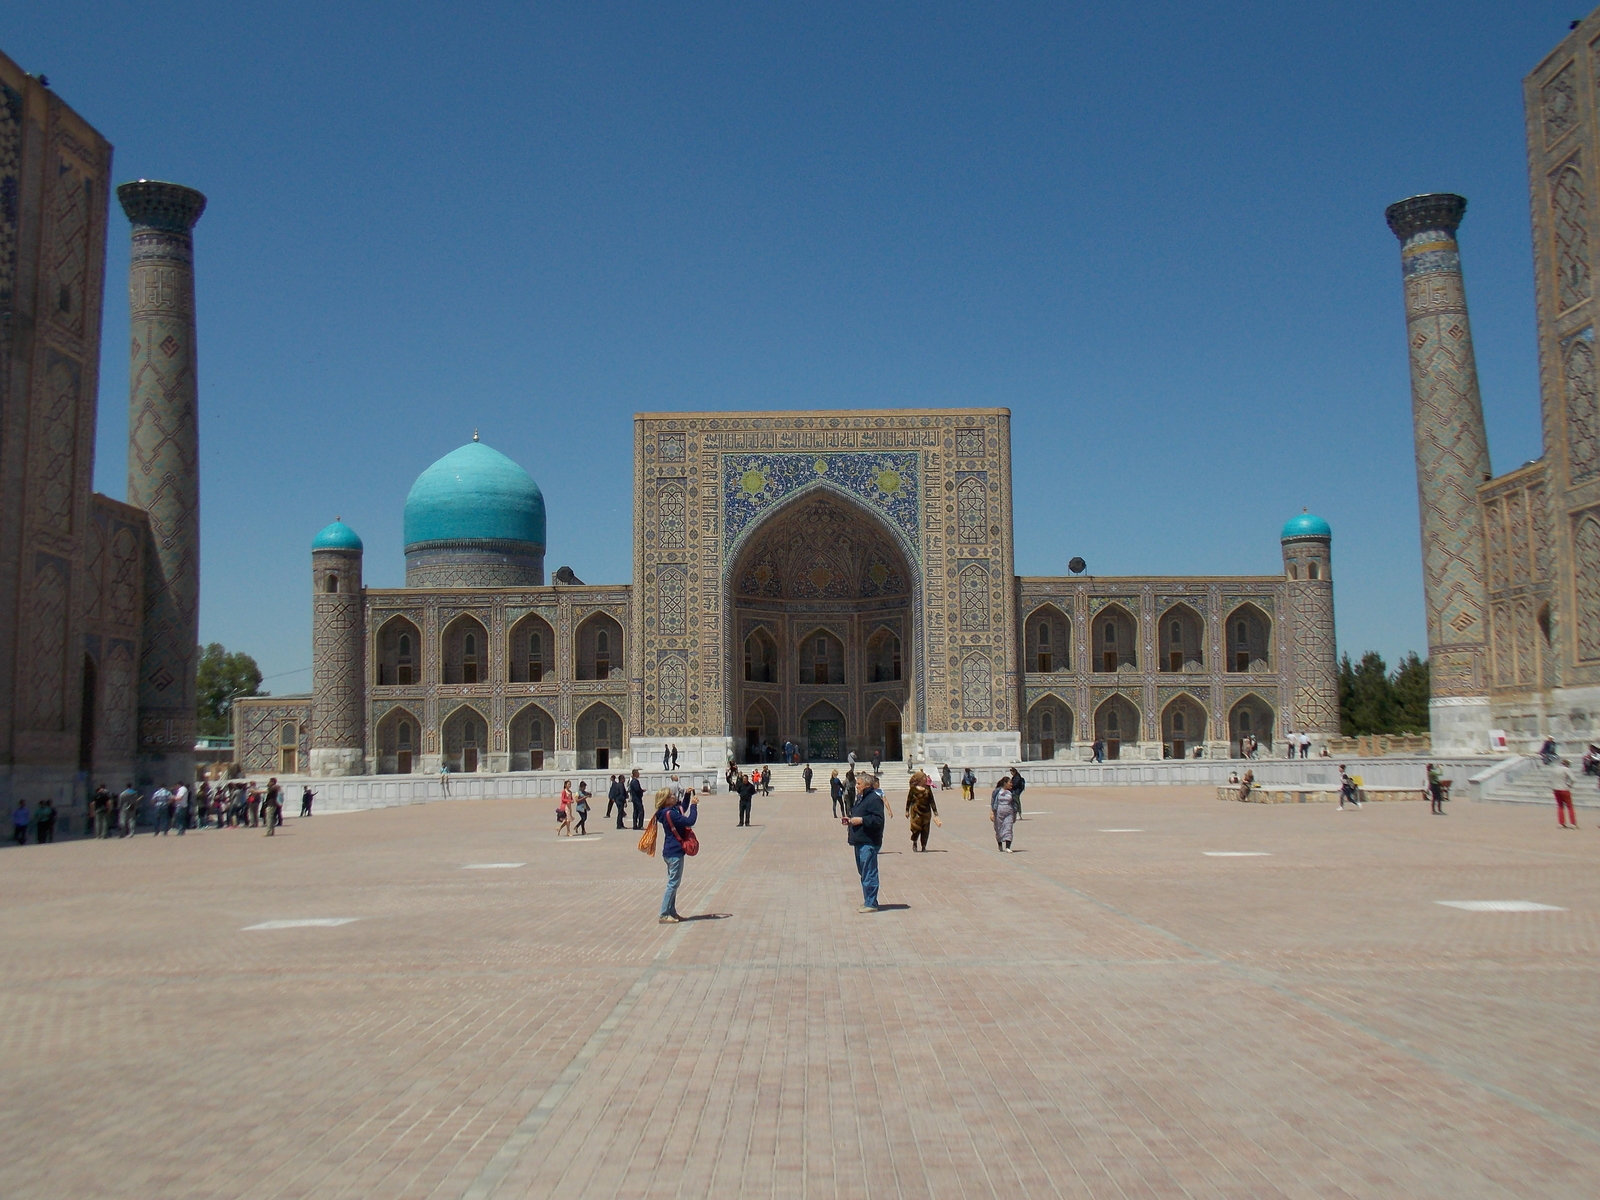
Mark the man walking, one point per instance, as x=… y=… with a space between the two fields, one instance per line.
x=180 y=809
x=163 y=802
x=1436 y=789
x=130 y=809
x=806 y=775
x=306 y=797
x=666 y=758
x=20 y=816
x=1562 y=778
x=636 y=794
x=746 y=790
x=272 y=806
x=617 y=798
x=865 y=824
x=674 y=756
x=1347 y=789
x=44 y=821
x=100 y=810
x=1017 y=784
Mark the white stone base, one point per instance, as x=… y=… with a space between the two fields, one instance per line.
x=1001 y=748
x=1460 y=724
x=336 y=761
x=694 y=753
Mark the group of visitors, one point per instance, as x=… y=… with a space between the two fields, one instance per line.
x=626 y=790
x=1296 y=743
x=177 y=809
x=1562 y=780
x=669 y=757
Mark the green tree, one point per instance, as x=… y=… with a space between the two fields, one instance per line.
x=221 y=679
x=1413 y=685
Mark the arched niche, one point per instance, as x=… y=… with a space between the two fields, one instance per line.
x=599 y=648
x=884 y=731
x=1251 y=716
x=399 y=742
x=531 y=736
x=1248 y=635
x=821 y=655
x=1049 y=728
x=1116 y=723
x=466 y=739
x=824 y=733
x=397 y=653
x=884 y=656
x=1114 y=640
x=1180 y=640
x=1183 y=727
x=1047 y=640
x=760 y=730
x=464 y=651
x=601 y=738
x=760 y=657
x=531 y=650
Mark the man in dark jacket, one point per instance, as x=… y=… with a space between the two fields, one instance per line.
x=865 y=823
x=636 y=794
x=746 y=790
x=806 y=775
x=1017 y=784
x=617 y=798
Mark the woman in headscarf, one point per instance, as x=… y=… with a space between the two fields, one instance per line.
x=1003 y=805
x=921 y=809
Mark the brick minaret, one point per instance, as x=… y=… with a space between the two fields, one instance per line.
x=1452 y=460
x=338 y=636
x=164 y=467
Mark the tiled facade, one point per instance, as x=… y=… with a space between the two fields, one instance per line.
x=842 y=579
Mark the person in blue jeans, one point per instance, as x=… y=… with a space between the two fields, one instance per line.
x=675 y=813
x=865 y=823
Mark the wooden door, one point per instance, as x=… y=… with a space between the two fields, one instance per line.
x=469 y=759
x=1113 y=747
x=602 y=758
x=1177 y=747
x=403 y=762
x=1111 y=660
x=891 y=740
x=1047 y=747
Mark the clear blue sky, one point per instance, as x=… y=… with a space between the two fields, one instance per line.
x=1154 y=231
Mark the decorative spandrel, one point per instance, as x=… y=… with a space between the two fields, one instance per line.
x=753 y=484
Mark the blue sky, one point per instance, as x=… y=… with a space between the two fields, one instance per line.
x=1154 y=231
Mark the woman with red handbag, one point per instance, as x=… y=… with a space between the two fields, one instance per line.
x=676 y=818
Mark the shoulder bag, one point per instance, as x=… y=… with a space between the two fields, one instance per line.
x=687 y=839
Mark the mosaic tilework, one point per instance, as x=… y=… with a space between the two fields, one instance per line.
x=753 y=485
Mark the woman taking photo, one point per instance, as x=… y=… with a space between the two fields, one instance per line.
x=676 y=818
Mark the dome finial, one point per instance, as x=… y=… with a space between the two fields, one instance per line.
x=474 y=435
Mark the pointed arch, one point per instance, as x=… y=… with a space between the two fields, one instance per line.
x=1183 y=727
x=825 y=733
x=884 y=728
x=760 y=656
x=532 y=735
x=1050 y=727
x=1180 y=639
x=1117 y=722
x=1247 y=639
x=820 y=652
x=599 y=646
x=884 y=663
x=1114 y=640
x=397 y=653
x=465 y=739
x=464 y=651
x=760 y=730
x=399 y=742
x=1251 y=716
x=1047 y=640
x=531 y=650
x=601 y=737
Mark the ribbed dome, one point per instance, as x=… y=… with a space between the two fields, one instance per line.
x=1306 y=526
x=337 y=536
x=474 y=494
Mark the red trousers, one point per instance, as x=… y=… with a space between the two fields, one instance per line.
x=1564 y=807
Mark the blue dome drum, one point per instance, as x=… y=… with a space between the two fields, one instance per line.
x=337 y=536
x=474 y=519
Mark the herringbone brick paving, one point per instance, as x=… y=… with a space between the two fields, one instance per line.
x=1100 y=1014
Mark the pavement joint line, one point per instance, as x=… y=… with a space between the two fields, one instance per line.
x=1267 y=980
x=302 y=923
x=499 y=1166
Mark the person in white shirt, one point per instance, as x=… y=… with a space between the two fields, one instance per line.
x=180 y=809
x=1305 y=744
x=1561 y=778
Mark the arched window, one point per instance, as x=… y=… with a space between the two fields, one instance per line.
x=1294 y=571
x=1244 y=720
x=535 y=657
x=403 y=735
x=288 y=748
x=602 y=655
x=1241 y=633
x=1044 y=633
x=1313 y=569
x=406 y=671
x=469 y=659
x=1047 y=723
x=1111 y=633
x=332 y=585
x=1113 y=722
x=1177 y=721
x=1175 y=632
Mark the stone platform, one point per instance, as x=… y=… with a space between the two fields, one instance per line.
x=1158 y=995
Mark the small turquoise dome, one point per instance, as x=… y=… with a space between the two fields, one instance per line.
x=1306 y=526
x=474 y=494
x=337 y=536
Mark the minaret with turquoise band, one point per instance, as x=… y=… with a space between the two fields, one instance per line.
x=1452 y=450
x=338 y=658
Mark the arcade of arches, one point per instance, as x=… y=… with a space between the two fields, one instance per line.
x=822 y=619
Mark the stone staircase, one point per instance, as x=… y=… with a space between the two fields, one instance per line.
x=1530 y=782
x=892 y=777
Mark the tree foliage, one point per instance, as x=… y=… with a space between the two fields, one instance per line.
x=221 y=679
x=1372 y=700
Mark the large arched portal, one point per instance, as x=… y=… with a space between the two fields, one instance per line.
x=821 y=602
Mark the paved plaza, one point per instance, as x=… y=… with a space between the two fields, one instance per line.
x=1160 y=994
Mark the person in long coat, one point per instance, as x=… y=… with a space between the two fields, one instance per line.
x=921 y=809
x=1003 y=806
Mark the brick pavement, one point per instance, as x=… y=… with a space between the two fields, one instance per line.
x=1100 y=1014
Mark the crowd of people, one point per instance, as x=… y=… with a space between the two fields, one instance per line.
x=235 y=804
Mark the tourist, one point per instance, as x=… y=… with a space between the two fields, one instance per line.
x=921 y=810
x=877 y=761
x=272 y=806
x=806 y=775
x=1591 y=760
x=1017 y=784
x=851 y=760
x=766 y=781
x=44 y=821
x=969 y=781
x=674 y=756
x=666 y=758
x=676 y=816
x=20 y=816
x=865 y=824
x=1003 y=809
x=306 y=797
x=1347 y=789
x=1099 y=750
x=1245 y=784
x=731 y=774
x=100 y=812
x=581 y=807
x=836 y=793
x=1292 y=742
x=617 y=797
x=944 y=777
x=130 y=809
x=1562 y=780
x=1305 y=744
x=1547 y=752
x=564 y=810
x=1233 y=777
x=636 y=794
x=444 y=781
x=850 y=784
x=180 y=808
x=163 y=805
x=746 y=791
x=1436 y=789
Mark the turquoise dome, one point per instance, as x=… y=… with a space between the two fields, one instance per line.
x=474 y=494
x=1306 y=526
x=337 y=536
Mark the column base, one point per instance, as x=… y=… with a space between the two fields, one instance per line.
x=1460 y=724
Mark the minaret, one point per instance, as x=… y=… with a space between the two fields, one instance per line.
x=164 y=467
x=1307 y=543
x=1452 y=460
x=338 y=640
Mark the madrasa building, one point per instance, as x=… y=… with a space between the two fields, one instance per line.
x=839 y=580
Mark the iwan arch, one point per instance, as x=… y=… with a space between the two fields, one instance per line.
x=842 y=580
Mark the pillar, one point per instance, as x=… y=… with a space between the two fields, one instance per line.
x=164 y=467
x=1452 y=460
x=338 y=653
